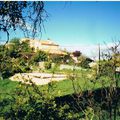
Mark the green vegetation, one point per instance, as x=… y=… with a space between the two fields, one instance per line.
x=7 y=88
x=20 y=101
x=20 y=14
x=84 y=61
x=40 y=56
x=88 y=93
x=18 y=57
x=65 y=87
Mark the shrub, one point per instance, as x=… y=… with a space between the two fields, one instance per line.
x=48 y=65
x=40 y=56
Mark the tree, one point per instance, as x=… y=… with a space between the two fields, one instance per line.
x=21 y=15
x=15 y=41
x=67 y=59
x=77 y=53
x=40 y=56
x=25 y=47
x=84 y=61
x=13 y=48
x=14 y=57
x=56 y=58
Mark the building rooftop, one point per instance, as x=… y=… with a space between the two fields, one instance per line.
x=48 y=42
x=45 y=45
x=42 y=42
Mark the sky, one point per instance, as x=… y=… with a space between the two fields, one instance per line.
x=81 y=25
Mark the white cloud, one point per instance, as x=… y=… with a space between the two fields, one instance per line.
x=88 y=50
x=91 y=51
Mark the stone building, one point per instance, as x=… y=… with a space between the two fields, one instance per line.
x=44 y=45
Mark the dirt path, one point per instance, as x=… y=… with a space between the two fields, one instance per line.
x=38 y=78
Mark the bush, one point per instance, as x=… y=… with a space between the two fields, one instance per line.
x=84 y=61
x=48 y=65
x=40 y=56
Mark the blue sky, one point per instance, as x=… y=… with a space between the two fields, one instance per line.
x=78 y=24
x=83 y=22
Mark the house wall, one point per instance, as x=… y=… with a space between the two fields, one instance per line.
x=49 y=47
x=35 y=44
x=45 y=45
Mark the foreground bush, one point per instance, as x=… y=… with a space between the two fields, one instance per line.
x=31 y=102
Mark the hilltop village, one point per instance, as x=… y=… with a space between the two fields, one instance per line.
x=41 y=56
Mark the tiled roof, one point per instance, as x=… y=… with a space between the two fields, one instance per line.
x=48 y=42
x=55 y=51
x=43 y=42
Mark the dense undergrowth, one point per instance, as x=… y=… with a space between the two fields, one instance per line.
x=49 y=102
x=86 y=94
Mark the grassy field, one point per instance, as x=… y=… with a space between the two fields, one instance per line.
x=79 y=83
x=60 y=88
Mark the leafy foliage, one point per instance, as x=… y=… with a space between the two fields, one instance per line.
x=19 y=14
x=77 y=53
x=94 y=98
x=14 y=57
x=40 y=56
x=84 y=61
